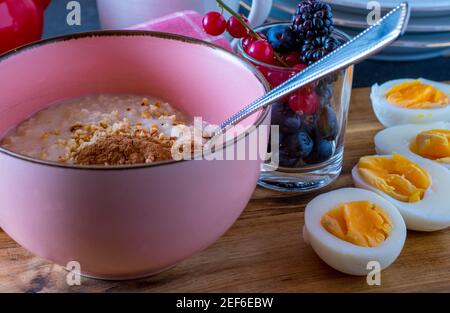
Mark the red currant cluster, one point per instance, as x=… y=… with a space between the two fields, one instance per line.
x=215 y=24
x=256 y=45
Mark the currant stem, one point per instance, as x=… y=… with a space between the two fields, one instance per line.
x=225 y=7
x=279 y=59
x=239 y=17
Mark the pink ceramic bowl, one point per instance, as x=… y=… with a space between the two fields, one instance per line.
x=124 y=222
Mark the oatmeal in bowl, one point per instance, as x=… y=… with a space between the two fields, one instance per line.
x=143 y=215
x=103 y=130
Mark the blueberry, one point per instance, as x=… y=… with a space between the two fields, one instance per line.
x=291 y=124
x=298 y=145
x=325 y=91
x=285 y=160
x=309 y=123
x=322 y=152
x=284 y=117
x=282 y=38
x=326 y=102
x=327 y=125
x=331 y=78
x=263 y=32
x=278 y=112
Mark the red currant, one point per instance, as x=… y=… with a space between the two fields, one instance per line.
x=292 y=58
x=305 y=100
x=299 y=67
x=235 y=28
x=276 y=78
x=261 y=50
x=276 y=62
x=264 y=70
x=247 y=41
x=214 y=23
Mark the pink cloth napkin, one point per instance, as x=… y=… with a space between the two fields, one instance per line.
x=186 y=23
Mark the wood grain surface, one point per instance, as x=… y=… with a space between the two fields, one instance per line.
x=263 y=251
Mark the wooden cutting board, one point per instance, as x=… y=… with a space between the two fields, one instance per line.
x=263 y=251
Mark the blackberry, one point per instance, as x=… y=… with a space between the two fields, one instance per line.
x=312 y=19
x=282 y=38
x=315 y=49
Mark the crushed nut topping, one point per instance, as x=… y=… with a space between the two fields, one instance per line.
x=75 y=127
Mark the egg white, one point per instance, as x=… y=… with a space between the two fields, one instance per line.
x=399 y=138
x=429 y=214
x=345 y=256
x=390 y=115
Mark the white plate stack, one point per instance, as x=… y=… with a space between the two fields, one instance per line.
x=427 y=36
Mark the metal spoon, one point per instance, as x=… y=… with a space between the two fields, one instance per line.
x=369 y=42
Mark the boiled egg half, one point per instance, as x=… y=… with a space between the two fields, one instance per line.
x=417 y=188
x=350 y=227
x=430 y=141
x=411 y=101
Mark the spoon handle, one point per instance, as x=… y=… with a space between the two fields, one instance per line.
x=367 y=43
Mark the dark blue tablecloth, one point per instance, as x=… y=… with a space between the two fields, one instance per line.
x=366 y=73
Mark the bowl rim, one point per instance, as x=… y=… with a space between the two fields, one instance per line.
x=145 y=33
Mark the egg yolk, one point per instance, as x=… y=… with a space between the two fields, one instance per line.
x=433 y=144
x=415 y=95
x=360 y=222
x=396 y=176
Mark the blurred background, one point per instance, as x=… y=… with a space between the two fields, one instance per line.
x=423 y=52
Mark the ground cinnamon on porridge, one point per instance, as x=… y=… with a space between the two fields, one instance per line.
x=122 y=150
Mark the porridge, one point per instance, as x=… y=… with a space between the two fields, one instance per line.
x=102 y=130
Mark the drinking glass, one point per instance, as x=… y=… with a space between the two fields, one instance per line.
x=322 y=126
